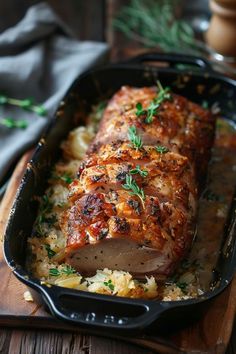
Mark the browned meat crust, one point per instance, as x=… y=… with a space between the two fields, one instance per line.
x=159 y=227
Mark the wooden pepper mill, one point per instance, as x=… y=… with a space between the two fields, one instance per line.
x=221 y=35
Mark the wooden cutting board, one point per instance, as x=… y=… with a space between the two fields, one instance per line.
x=209 y=335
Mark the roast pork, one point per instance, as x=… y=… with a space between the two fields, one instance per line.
x=134 y=204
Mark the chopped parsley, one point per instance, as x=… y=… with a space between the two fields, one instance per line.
x=162 y=149
x=134 y=138
x=68 y=270
x=109 y=284
x=137 y=170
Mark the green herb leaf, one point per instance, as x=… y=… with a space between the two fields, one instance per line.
x=40 y=110
x=162 y=149
x=54 y=272
x=140 y=109
x=130 y=184
x=50 y=252
x=153 y=23
x=163 y=95
x=68 y=270
x=26 y=104
x=134 y=138
x=11 y=123
x=137 y=169
x=109 y=284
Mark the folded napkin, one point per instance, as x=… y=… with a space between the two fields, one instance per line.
x=39 y=58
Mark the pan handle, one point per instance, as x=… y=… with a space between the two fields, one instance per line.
x=93 y=310
x=172 y=59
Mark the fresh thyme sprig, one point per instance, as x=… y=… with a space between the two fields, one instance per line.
x=162 y=149
x=134 y=138
x=27 y=104
x=163 y=95
x=153 y=23
x=130 y=184
x=12 y=123
x=137 y=170
x=68 y=270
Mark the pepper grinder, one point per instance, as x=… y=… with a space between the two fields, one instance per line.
x=221 y=34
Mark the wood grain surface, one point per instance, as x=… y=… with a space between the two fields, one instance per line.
x=209 y=335
x=26 y=328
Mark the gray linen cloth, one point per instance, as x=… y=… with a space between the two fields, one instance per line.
x=39 y=58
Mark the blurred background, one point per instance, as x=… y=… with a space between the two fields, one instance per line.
x=127 y=25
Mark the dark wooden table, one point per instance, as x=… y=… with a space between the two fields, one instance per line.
x=90 y=19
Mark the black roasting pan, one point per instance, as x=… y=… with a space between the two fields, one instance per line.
x=189 y=76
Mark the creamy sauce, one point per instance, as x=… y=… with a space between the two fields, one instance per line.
x=214 y=206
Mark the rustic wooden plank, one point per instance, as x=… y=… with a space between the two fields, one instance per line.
x=100 y=345
x=5 y=338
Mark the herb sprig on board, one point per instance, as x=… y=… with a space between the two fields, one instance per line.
x=27 y=104
x=135 y=138
x=152 y=109
x=12 y=123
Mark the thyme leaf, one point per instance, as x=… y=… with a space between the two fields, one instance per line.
x=68 y=270
x=137 y=170
x=130 y=184
x=162 y=149
x=140 y=111
x=151 y=111
x=12 y=123
x=27 y=104
x=134 y=138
